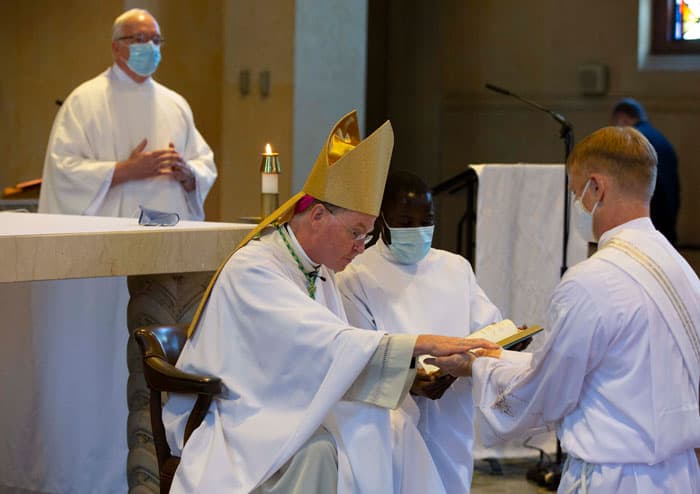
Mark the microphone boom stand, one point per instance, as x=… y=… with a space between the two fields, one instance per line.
x=566 y=132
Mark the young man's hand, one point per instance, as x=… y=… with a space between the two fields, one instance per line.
x=431 y=386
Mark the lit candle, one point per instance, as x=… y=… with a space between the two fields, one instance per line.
x=269 y=170
x=269 y=183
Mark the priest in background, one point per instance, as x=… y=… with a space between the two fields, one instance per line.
x=122 y=140
x=305 y=406
x=119 y=141
x=619 y=370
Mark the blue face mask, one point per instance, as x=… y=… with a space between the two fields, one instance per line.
x=143 y=58
x=410 y=245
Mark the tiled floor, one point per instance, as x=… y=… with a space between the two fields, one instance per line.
x=512 y=481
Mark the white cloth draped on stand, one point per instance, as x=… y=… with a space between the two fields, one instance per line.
x=518 y=255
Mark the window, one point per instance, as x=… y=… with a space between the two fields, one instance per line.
x=675 y=27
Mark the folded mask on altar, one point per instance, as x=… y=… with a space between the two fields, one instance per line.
x=153 y=217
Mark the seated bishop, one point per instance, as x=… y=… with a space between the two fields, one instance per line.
x=307 y=396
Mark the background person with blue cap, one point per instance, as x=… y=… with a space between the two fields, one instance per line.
x=667 y=195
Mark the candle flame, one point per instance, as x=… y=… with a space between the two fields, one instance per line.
x=268 y=148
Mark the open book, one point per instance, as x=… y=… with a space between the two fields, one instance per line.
x=505 y=333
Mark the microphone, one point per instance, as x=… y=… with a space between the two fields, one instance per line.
x=498 y=89
x=566 y=125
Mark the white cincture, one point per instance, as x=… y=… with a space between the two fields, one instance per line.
x=584 y=478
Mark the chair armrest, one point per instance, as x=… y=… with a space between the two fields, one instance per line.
x=162 y=376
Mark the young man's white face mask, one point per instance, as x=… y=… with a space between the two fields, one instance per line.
x=410 y=245
x=582 y=219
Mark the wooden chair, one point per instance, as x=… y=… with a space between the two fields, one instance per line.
x=160 y=347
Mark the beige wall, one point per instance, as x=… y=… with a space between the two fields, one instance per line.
x=48 y=49
x=257 y=36
x=193 y=66
x=532 y=48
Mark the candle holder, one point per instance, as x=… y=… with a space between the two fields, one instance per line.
x=269 y=171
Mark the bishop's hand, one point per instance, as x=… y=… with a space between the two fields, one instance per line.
x=439 y=346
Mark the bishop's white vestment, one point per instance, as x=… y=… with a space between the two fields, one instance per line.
x=78 y=423
x=618 y=371
x=437 y=295
x=289 y=365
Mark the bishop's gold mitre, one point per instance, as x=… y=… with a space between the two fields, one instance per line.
x=349 y=173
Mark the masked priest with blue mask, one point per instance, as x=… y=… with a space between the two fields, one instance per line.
x=122 y=140
x=403 y=285
x=119 y=141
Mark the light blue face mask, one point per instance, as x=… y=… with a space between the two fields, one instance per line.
x=410 y=245
x=144 y=58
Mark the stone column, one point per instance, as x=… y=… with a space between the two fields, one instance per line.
x=154 y=299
